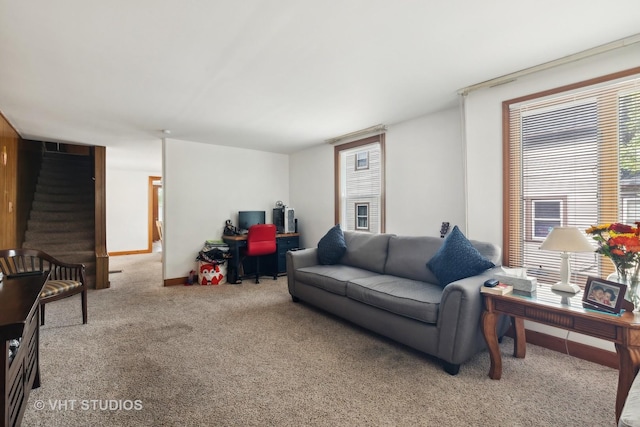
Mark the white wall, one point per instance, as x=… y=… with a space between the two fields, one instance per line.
x=204 y=185
x=424 y=179
x=425 y=174
x=312 y=184
x=128 y=209
x=128 y=168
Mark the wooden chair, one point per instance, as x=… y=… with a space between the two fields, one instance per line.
x=64 y=279
x=159 y=227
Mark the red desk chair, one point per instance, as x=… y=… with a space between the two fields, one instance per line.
x=261 y=240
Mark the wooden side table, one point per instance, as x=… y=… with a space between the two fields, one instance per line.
x=558 y=310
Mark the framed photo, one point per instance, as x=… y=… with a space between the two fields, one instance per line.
x=604 y=295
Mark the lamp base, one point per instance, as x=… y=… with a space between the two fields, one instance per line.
x=566 y=287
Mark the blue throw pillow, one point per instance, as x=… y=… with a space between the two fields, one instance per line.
x=457 y=259
x=332 y=246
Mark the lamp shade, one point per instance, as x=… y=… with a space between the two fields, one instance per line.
x=567 y=239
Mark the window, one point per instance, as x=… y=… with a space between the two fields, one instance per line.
x=359 y=186
x=362 y=160
x=545 y=215
x=630 y=209
x=572 y=157
x=362 y=216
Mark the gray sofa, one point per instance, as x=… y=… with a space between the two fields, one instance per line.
x=630 y=416
x=383 y=284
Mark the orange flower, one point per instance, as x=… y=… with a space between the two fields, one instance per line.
x=622 y=228
x=619 y=242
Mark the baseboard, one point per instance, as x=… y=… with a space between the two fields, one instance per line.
x=141 y=251
x=175 y=281
x=576 y=349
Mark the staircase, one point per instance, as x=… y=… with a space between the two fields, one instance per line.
x=62 y=218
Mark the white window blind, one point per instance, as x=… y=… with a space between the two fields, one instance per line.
x=572 y=159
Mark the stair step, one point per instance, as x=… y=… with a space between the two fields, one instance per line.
x=53 y=164
x=78 y=224
x=66 y=158
x=64 y=198
x=64 y=247
x=56 y=156
x=60 y=206
x=66 y=178
x=62 y=216
x=65 y=168
x=76 y=256
x=86 y=188
x=52 y=236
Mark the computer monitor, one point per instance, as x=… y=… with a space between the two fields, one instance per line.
x=248 y=218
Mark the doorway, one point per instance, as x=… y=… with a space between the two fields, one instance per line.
x=156 y=220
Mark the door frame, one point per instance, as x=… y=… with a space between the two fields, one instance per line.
x=152 y=209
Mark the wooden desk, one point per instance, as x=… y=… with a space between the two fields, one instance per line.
x=284 y=242
x=547 y=308
x=19 y=318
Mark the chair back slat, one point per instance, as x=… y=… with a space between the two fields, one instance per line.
x=13 y=262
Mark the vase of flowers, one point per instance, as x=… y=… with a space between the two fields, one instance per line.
x=621 y=244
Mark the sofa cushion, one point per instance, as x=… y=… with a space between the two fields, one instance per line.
x=457 y=259
x=366 y=250
x=405 y=297
x=408 y=255
x=331 y=278
x=332 y=246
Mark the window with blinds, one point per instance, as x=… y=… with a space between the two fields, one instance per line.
x=360 y=184
x=572 y=158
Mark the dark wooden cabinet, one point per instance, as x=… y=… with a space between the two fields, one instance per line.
x=285 y=243
x=19 y=320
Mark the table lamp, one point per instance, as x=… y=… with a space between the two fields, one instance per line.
x=566 y=240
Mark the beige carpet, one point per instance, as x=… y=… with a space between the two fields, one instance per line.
x=245 y=355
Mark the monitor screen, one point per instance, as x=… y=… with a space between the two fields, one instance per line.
x=248 y=218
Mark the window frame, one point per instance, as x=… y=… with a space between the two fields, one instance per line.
x=511 y=182
x=380 y=139
x=530 y=219
x=366 y=159
x=625 y=206
x=367 y=217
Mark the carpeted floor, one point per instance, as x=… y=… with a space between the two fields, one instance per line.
x=246 y=355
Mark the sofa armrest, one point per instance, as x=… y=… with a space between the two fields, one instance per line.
x=459 y=316
x=299 y=259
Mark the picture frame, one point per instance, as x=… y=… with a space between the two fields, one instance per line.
x=604 y=295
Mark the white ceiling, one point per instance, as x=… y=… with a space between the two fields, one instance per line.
x=274 y=75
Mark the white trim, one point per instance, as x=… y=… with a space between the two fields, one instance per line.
x=507 y=78
x=370 y=131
